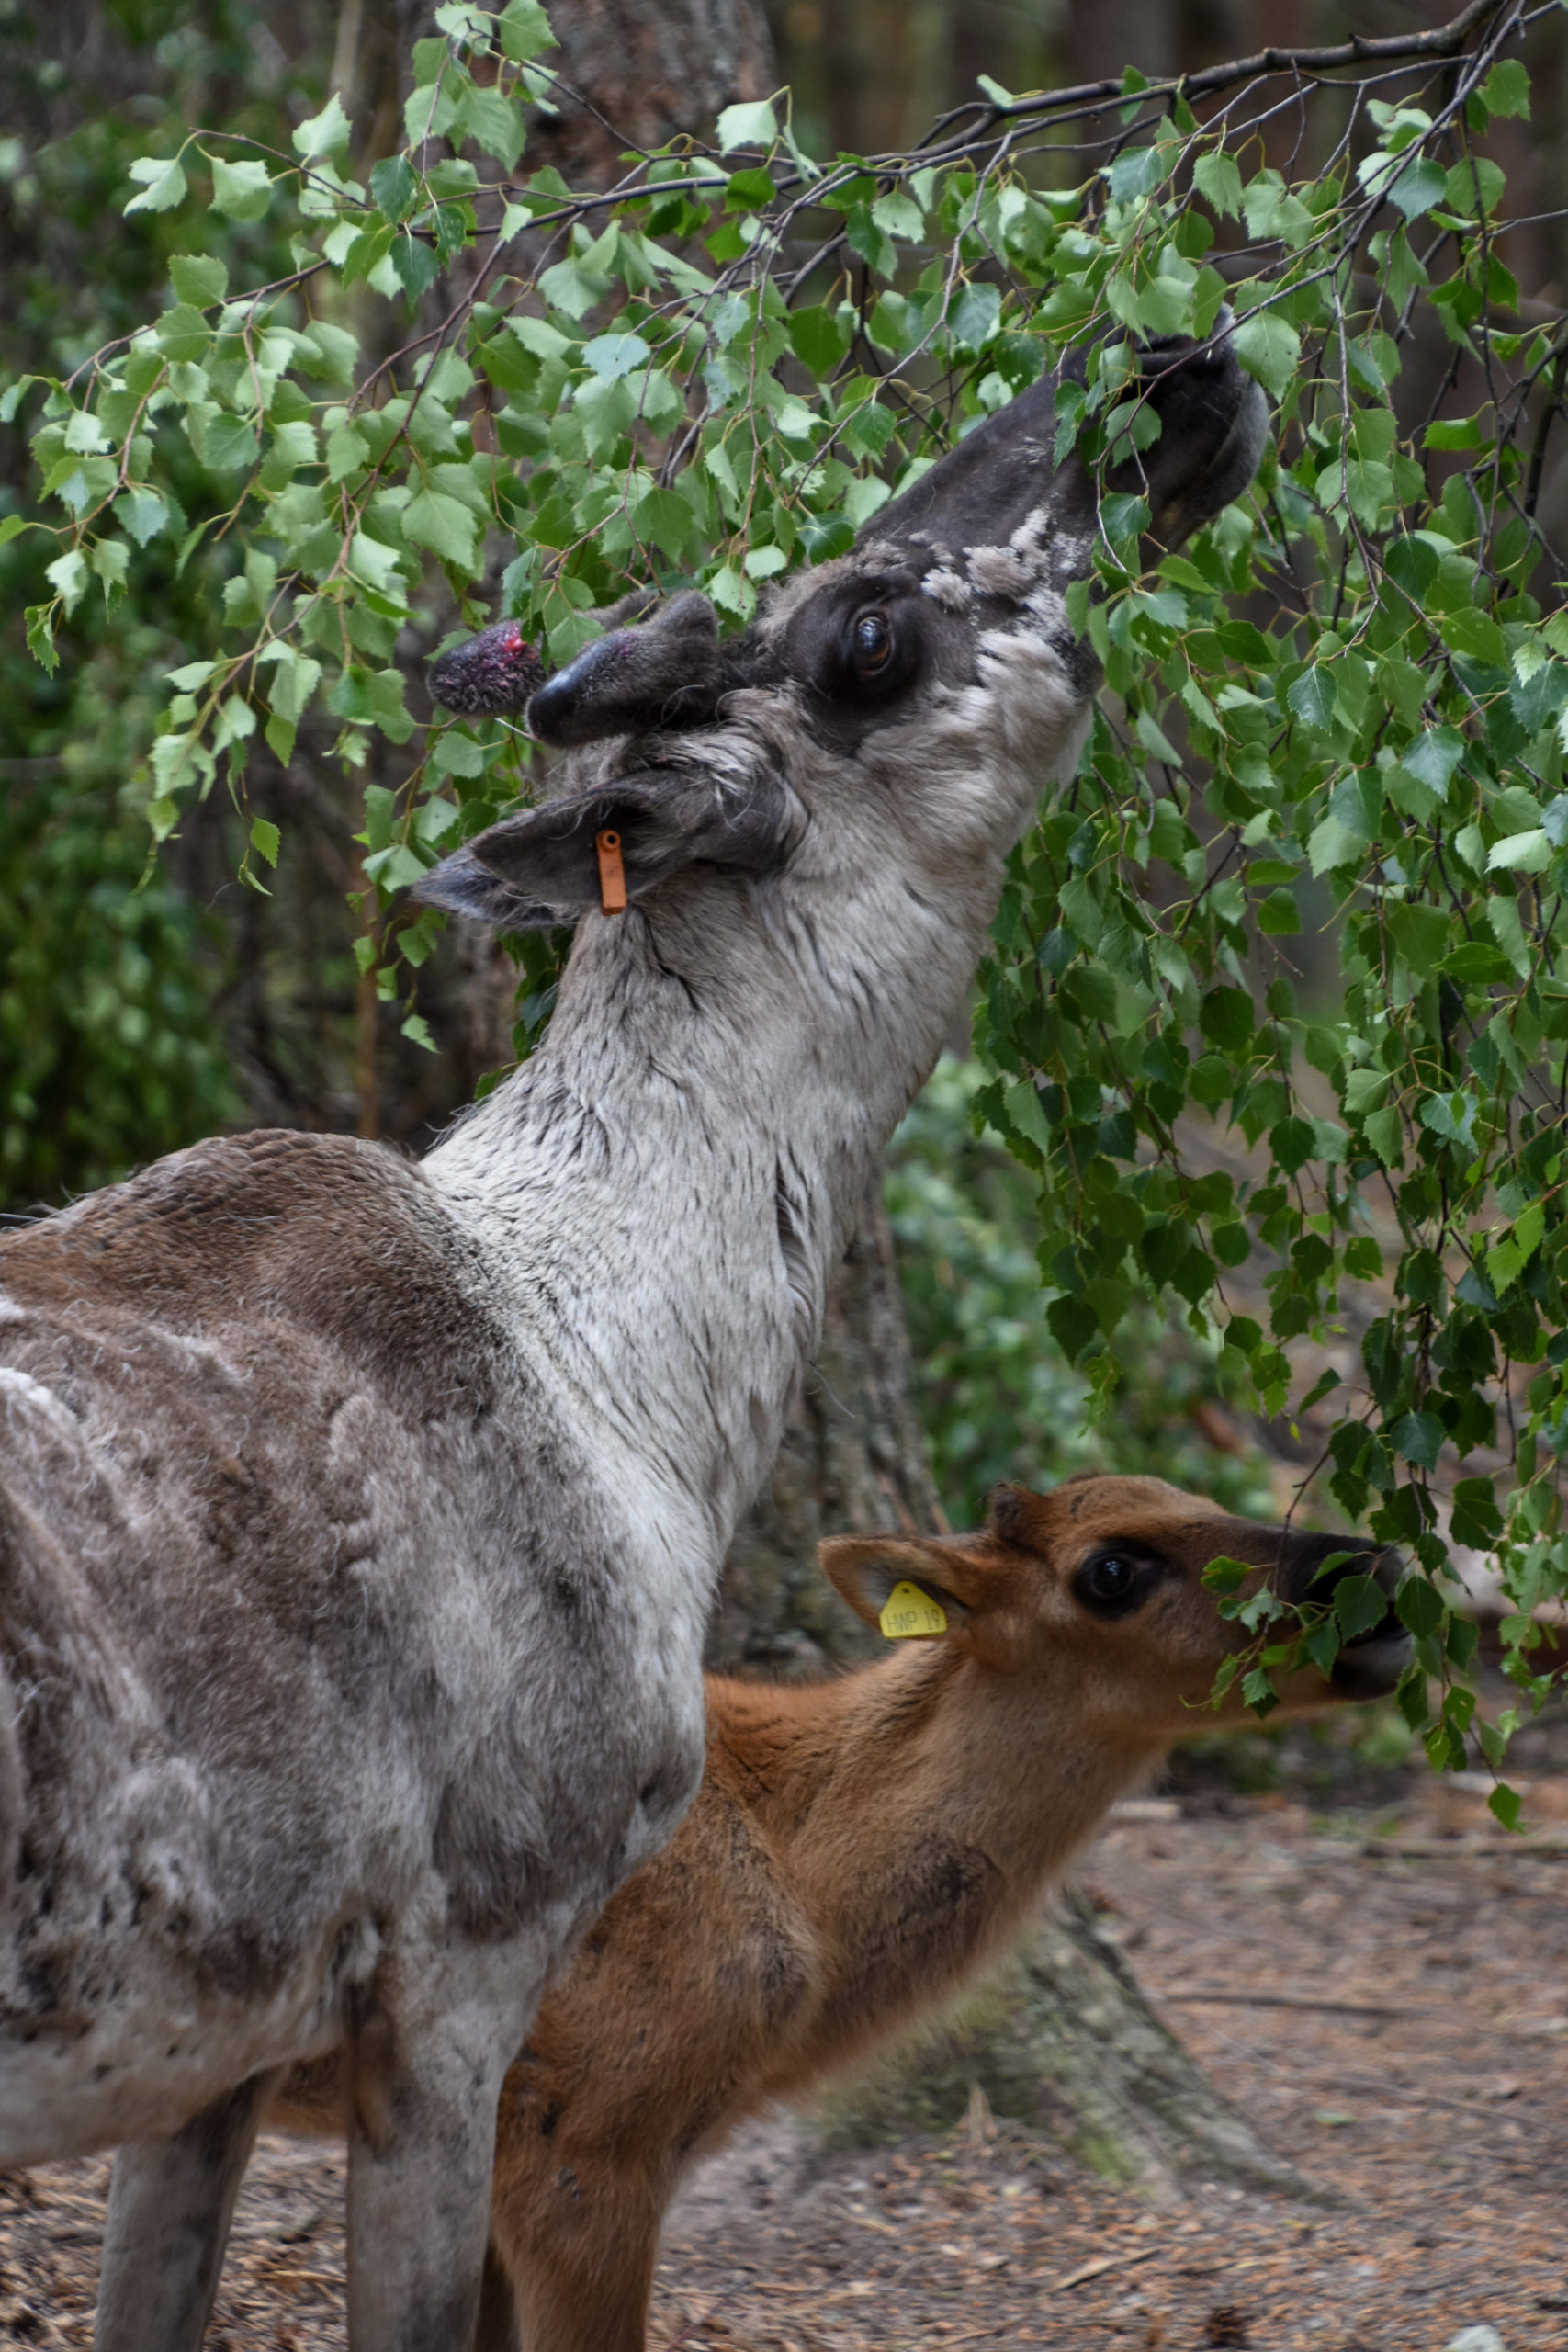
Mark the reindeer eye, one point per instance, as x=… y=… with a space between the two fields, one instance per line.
x=873 y=642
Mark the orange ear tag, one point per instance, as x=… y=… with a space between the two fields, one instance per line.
x=611 y=872
x=909 y=1614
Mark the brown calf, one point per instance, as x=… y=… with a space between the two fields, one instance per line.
x=858 y=1847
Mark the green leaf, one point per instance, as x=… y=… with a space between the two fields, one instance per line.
x=524 y=30
x=1218 y=178
x=1137 y=172
x=1526 y=852
x=1227 y=1016
x=610 y=356
x=183 y=334
x=265 y=839
x=1312 y=696
x=1416 y=187
x=1476 y=634
x=1269 y=348
x=230 y=441
x=1451 y=1117
x=1507 y=89
x=750 y=124
x=1432 y=757
x=109 y=560
x=1420 y=1605
x=1476 y=964
x=242 y=190
x=200 y=279
x=1279 y=916
x=327 y=133
x=67 y=575
x=394 y=184
x=818 y=338
x=1421 y=933
x=568 y=285
x=163 y=185
x=1360 y=1603
x=432 y=519
x=492 y=120
x=975 y=315
x=1419 y=1438
x=41 y=637
x=668 y=519
x=417 y=264
x=1454 y=433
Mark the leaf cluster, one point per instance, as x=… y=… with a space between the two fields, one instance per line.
x=1339 y=716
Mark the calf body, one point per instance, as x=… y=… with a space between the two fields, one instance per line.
x=857 y=1849
x=358 y=1520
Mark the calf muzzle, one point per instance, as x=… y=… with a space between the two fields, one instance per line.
x=1372 y=1660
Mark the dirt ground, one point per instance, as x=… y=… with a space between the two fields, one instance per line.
x=1372 y=1972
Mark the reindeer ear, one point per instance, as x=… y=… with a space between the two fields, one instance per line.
x=664 y=673
x=541 y=869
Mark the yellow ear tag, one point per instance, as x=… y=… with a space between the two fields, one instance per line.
x=908 y=1613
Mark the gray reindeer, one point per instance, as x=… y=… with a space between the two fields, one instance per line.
x=359 y=1520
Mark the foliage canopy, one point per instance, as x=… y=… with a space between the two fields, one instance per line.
x=1310 y=877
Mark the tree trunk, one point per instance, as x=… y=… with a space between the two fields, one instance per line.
x=853 y=1456
x=1061 y=2039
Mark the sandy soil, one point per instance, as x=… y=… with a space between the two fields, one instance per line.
x=1375 y=1974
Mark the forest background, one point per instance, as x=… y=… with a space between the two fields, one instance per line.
x=143 y=1004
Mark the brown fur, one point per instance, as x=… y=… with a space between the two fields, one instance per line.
x=858 y=1848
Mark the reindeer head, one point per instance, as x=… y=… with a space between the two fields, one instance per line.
x=927 y=681
x=1106 y=1575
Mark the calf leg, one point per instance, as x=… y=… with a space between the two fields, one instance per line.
x=171 y=2202
x=580 y=2249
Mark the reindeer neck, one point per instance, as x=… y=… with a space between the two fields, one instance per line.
x=917 y=1811
x=663 y=1189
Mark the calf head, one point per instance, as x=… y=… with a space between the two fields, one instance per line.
x=928 y=680
x=1105 y=1574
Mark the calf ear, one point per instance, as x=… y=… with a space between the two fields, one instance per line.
x=966 y=1575
x=541 y=869
x=664 y=673
x=869 y=1569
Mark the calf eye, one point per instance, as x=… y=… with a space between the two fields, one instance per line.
x=873 y=643
x=1111 y=1583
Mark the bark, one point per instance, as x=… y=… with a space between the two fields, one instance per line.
x=853 y=1457
x=645 y=70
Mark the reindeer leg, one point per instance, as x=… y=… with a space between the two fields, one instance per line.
x=498 y=2328
x=171 y=2202
x=421 y=2151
